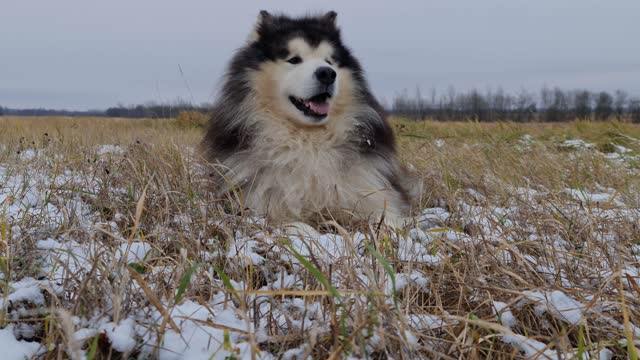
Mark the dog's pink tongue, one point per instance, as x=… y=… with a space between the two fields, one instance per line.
x=318 y=108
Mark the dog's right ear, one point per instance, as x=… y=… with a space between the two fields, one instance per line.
x=264 y=19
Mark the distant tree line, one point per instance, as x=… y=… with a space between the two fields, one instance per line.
x=149 y=110
x=155 y=110
x=48 y=112
x=550 y=104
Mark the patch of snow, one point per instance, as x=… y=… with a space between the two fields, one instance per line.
x=134 y=252
x=432 y=217
x=296 y=353
x=525 y=142
x=621 y=149
x=108 y=149
x=530 y=348
x=585 y=196
x=526 y=194
x=476 y=195
x=48 y=244
x=16 y=349
x=121 y=336
x=504 y=314
x=244 y=251
x=605 y=354
x=415 y=278
x=28 y=154
x=85 y=334
x=196 y=340
x=412 y=340
x=577 y=144
x=26 y=290
x=558 y=304
x=426 y=321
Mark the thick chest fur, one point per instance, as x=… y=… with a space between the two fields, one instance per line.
x=301 y=171
x=292 y=174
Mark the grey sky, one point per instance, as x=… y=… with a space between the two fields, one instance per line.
x=79 y=54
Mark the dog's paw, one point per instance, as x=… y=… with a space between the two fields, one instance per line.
x=301 y=229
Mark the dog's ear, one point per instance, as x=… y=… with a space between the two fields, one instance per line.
x=330 y=17
x=264 y=20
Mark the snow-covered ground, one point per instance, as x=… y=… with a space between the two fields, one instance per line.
x=182 y=284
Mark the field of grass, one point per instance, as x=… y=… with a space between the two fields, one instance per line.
x=526 y=245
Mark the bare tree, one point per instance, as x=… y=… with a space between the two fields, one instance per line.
x=546 y=102
x=604 y=105
x=634 y=110
x=525 y=106
x=477 y=106
x=582 y=104
x=555 y=104
x=620 y=103
x=500 y=104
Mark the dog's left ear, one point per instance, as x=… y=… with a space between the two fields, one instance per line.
x=264 y=19
x=330 y=17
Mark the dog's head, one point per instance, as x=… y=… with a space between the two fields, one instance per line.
x=298 y=68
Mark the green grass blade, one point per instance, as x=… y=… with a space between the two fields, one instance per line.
x=186 y=279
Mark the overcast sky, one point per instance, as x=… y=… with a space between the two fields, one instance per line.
x=80 y=54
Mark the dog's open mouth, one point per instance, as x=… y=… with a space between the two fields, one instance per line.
x=316 y=106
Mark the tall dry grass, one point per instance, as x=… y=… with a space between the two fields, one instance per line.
x=497 y=244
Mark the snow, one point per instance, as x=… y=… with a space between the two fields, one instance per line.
x=296 y=353
x=15 y=349
x=85 y=334
x=432 y=217
x=48 y=244
x=504 y=314
x=26 y=290
x=558 y=304
x=108 y=149
x=412 y=340
x=196 y=340
x=121 y=335
x=28 y=154
x=133 y=252
x=245 y=250
x=577 y=144
x=599 y=197
x=525 y=142
x=426 y=321
x=530 y=348
x=436 y=242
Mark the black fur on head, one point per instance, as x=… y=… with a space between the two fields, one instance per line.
x=273 y=32
x=269 y=41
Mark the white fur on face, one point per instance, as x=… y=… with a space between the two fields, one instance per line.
x=298 y=80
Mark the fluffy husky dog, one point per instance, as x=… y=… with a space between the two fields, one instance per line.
x=298 y=133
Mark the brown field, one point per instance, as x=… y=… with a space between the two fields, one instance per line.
x=528 y=247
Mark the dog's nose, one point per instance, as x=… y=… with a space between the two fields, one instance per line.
x=325 y=75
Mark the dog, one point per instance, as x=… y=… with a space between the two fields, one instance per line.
x=299 y=135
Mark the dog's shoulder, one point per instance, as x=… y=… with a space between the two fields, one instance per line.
x=372 y=133
x=225 y=134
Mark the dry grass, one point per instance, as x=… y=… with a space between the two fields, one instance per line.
x=515 y=245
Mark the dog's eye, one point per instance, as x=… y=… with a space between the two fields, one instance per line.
x=295 y=60
x=329 y=61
